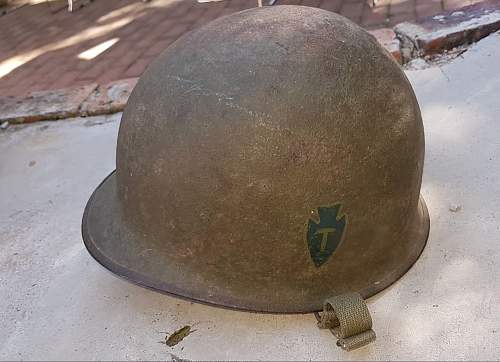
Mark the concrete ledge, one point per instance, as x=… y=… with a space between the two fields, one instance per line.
x=447 y=30
x=108 y=98
x=89 y=100
x=44 y=105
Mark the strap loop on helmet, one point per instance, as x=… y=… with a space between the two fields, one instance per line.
x=348 y=317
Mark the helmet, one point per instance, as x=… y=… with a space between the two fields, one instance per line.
x=265 y=162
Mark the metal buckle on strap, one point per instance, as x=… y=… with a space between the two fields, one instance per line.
x=348 y=318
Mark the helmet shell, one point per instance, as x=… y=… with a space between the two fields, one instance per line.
x=266 y=161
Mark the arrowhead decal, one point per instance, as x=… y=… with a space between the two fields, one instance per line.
x=324 y=237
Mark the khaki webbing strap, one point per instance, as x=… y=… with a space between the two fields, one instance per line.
x=348 y=318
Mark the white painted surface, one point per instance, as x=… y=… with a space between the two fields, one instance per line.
x=58 y=303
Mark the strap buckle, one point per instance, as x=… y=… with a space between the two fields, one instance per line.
x=348 y=318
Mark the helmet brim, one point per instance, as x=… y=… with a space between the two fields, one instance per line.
x=121 y=249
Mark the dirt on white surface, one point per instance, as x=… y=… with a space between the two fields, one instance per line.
x=57 y=303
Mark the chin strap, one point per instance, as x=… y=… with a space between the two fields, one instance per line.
x=349 y=320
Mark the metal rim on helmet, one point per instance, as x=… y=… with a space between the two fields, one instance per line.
x=103 y=205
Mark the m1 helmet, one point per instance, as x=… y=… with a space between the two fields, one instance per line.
x=266 y=161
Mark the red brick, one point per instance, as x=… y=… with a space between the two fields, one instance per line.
x=126 y=58
x=212 y=10
x=199 y=23
x=159 y=29
x=80 y=83
x=138 y=67
x=117 y=51
x=138 y=35
x=94 y=72
x=402 y=7
x=175 y=31
x=114 y=73
x=50 y=72
x=399 y=18
x=127 y=30
x=22 y=86
x=159 y=46
x=455 y=4
x=289 y=2
x=428 y=7
x=228 y=11
x=353 y=10
x=40 y=86
x=210 y=15
x=192 y=16
x=311 y=3
x=241 y=4
x=375 y=16
x=81 y=65
x=179 y=8
x=30 y=42
x=331 y=5
x=65 y=80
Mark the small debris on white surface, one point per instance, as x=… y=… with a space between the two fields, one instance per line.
x=416 y=64
x=455 y=207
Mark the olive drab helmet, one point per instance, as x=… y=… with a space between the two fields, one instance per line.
x=267 y=161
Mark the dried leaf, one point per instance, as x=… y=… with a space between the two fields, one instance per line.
x=178 y=336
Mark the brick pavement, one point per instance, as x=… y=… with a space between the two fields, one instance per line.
x=41 y=45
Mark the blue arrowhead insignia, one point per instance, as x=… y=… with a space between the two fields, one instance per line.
x=324 y=237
